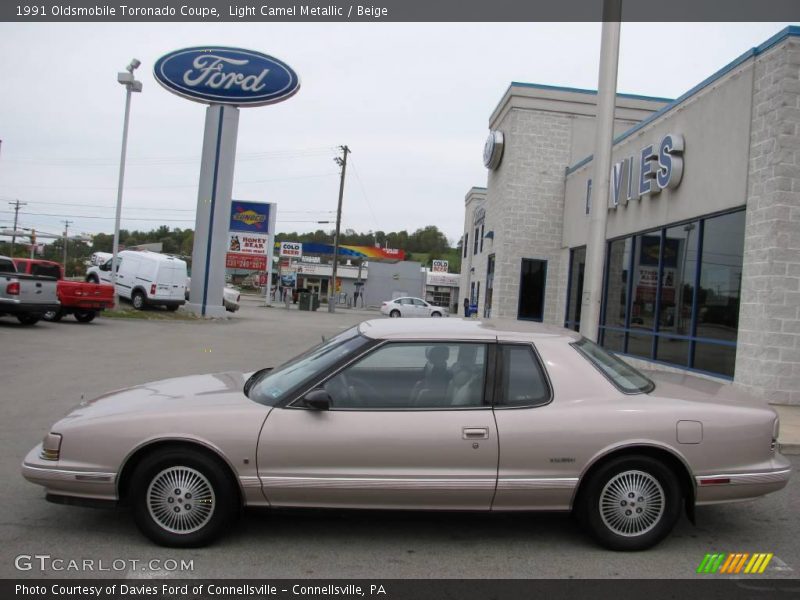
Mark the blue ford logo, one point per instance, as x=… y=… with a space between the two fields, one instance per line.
x=218 y=75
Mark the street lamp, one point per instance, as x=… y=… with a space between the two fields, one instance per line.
x=131 y=85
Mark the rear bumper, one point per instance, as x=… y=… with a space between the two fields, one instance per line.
x=731 y=487
x=16 y=308
x=59 y=481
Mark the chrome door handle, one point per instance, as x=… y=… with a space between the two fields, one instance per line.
x=475 y=433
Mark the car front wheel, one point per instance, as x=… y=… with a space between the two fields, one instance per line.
x=436 y=314
x=138 y=300
x=630 y=503
x=183 y=498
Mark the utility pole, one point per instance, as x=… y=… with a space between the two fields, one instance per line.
x=342 y=162
x=16 y=204
x=67 y=223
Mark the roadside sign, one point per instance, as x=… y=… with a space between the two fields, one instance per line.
x=440 y=266
x=291 y=249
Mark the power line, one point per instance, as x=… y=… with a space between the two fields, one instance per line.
x=148 y=208
x=366 y=198
x=171 y=160
x=171 y=186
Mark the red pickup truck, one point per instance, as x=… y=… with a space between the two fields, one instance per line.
x=84 y=300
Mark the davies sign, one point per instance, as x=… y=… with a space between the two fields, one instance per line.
x=219 y=75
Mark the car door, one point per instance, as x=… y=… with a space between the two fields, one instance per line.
x=409 y=426
x=539 y=464
x=421 y=308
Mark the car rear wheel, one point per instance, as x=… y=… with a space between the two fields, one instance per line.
x=28 y=319
x=137 y=299
x=85 y=316
x=53 y=315
x=92 y=279
x=394 y=314
x=630 y=503
x=183 y=498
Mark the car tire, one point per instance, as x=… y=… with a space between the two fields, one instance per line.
x=162 y=509
x=85 y=316
x=28 y=318
x=395 y=314
x=436 y=313
x=53 y=315
x=138 y=300
x=609 y=512
x=92 y=279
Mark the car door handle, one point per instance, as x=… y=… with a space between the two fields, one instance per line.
x=475 y=433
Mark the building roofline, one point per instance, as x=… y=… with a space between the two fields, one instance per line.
x=786 y=32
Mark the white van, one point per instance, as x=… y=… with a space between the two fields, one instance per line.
x=145 y=278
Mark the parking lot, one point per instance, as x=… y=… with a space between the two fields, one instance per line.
x=47 y=368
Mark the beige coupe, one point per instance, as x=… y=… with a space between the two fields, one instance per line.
x=447 y=415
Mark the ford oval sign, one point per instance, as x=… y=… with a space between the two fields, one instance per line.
x=218 y=75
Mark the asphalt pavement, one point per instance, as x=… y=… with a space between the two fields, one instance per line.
x=46 y=369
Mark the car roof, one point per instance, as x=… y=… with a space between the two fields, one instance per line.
x=462 y=329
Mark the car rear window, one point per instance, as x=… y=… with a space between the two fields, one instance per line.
x=620 y=373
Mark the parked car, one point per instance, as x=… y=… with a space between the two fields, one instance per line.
x=452 y=415
x=27 y=297
x=230 y=296
x=82 y=299
x=412 y=307
x=145 y=278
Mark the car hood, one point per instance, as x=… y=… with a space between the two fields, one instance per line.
x=698 y=389
x=168 y=396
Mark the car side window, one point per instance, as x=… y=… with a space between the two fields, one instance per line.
x=414 y=375
x=419 y=303
x=522 y=381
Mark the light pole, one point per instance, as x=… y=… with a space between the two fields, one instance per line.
x=131 y=85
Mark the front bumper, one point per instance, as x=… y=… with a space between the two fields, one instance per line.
x=63 y=480
x=745 y=485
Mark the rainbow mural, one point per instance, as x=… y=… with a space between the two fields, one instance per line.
x=366 y=252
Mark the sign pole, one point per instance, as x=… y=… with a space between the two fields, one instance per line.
x=273 y=208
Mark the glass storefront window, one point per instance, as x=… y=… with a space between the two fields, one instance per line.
x=678 y=279
x=577 y=265
x=672 y=295
x=720 y=277
x=619 y=260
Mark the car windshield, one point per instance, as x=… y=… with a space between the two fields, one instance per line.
x=621 y=374
x=272 y=386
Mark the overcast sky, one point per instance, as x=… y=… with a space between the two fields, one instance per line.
x=411 y=100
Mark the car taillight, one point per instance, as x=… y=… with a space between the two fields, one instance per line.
x=12 y=289
x=153 y=289
x=51 y=446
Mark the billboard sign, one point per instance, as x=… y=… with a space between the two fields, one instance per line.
x=249 y=262
x=222 y=75
x=440 y=266
x=291 y=249
x=250 y=217
x=248 y=243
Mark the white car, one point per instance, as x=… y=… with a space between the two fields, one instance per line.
x=412 y=307
x=230 y=296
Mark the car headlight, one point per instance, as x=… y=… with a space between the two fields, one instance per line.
x=51 y=447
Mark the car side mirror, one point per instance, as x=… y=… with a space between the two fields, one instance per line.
x=317 y=399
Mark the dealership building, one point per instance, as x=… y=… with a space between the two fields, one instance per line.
x=702 y=269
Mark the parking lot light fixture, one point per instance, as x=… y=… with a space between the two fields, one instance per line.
x=127 y=79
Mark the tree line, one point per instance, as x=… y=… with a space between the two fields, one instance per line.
x=424 y=245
